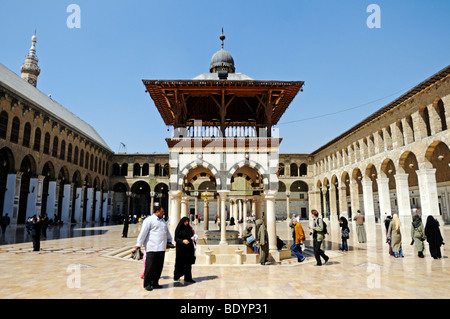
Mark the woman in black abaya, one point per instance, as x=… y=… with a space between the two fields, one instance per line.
x=434 y=237
x=185 y=251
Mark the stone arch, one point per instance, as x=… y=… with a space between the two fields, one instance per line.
x=388 y=170
x=439 y=108
x=408 y=164
x=247 y=179
x=438 y=154
x=194 y=170
x=258 y=168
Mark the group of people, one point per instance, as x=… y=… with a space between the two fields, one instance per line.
x=318 y=231
x=419 y=233
x=156 y=238
x=36 y=226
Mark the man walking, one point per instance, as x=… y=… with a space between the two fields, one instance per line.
x=155 y=235
x=299 y=237
x=318 y=237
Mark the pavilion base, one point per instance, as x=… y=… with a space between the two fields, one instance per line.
x=231 y=254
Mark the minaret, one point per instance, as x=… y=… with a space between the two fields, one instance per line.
x=30 y=69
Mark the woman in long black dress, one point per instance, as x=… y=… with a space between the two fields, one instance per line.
x=185 y=251
x=434 y=237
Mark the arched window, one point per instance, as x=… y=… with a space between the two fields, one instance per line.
x=303 y=169
x=3 y=124
x=75 y=155
x=69 y=153
x=136 y=169
x=280 y=169
x=26 y=135
x=157 y=169
x=86 y=161
x=95 y=164
x=294 y=169
x=37 y=139
x=15 y=130
x=47 y=143
x=145 y=169
x=91 y=166
x=81 y=158
x=62 y=153
x=124 y=170
x=116 y=170
x=441 y=113
x=55 y=147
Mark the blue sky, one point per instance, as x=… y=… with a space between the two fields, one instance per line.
x=96 y=71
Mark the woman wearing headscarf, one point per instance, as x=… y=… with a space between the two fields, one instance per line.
x=395 y=237
x=418 y=235
x=262 y=238
x=434 y=237
x=387 y=222
x=185 y=251
x=345 y=232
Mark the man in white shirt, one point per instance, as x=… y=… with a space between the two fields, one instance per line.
x=154 y=235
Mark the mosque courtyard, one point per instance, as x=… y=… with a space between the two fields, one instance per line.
x=77 y=263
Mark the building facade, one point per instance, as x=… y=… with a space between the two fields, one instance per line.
x=394 y=161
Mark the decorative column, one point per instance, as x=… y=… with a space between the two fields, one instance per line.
x=175 y=208
x=12 y=194
x=223 y=217
x=196 y=208
x=77 y=202
x=369 y=212
x=184 y=206
x=65 y=215
x=206 y=214
x=32 y=197
x=384 y=197
x=244 y=218
x=354 y=196
x=403 y=200
x=39 y=190
x=333 y=204
x=343 y=201
x=90 y=198
x=271 y=225
x=152 y=202
x=51 y=198
x=288 y=206
x=428 y=193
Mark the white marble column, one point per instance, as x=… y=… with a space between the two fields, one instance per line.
x=65 y=216
x=369 y=211
x=223 y=217
x=343 y=201
x=175 y=211
x=8 y=205
x=32 y=197
x=288 y=206
x=354 y=196
x=428 y=193
x=403 y=200
x=271 y=226
x=384 y=197
x=184 y=206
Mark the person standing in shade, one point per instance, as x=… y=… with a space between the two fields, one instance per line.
x=126 y=222
x=5 y=221
x=154 y=235
x=418 y=235
x=299 y=237
x=360 y=230
x=185 y=251
x=434 y=237
x=395 y=236
x=318 y=237
x=262 y=239
x=36 y=228
x=345 y=232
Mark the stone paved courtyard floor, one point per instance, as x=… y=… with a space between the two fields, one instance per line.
x=73 y=264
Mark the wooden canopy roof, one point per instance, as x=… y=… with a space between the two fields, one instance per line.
x=222 y=103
